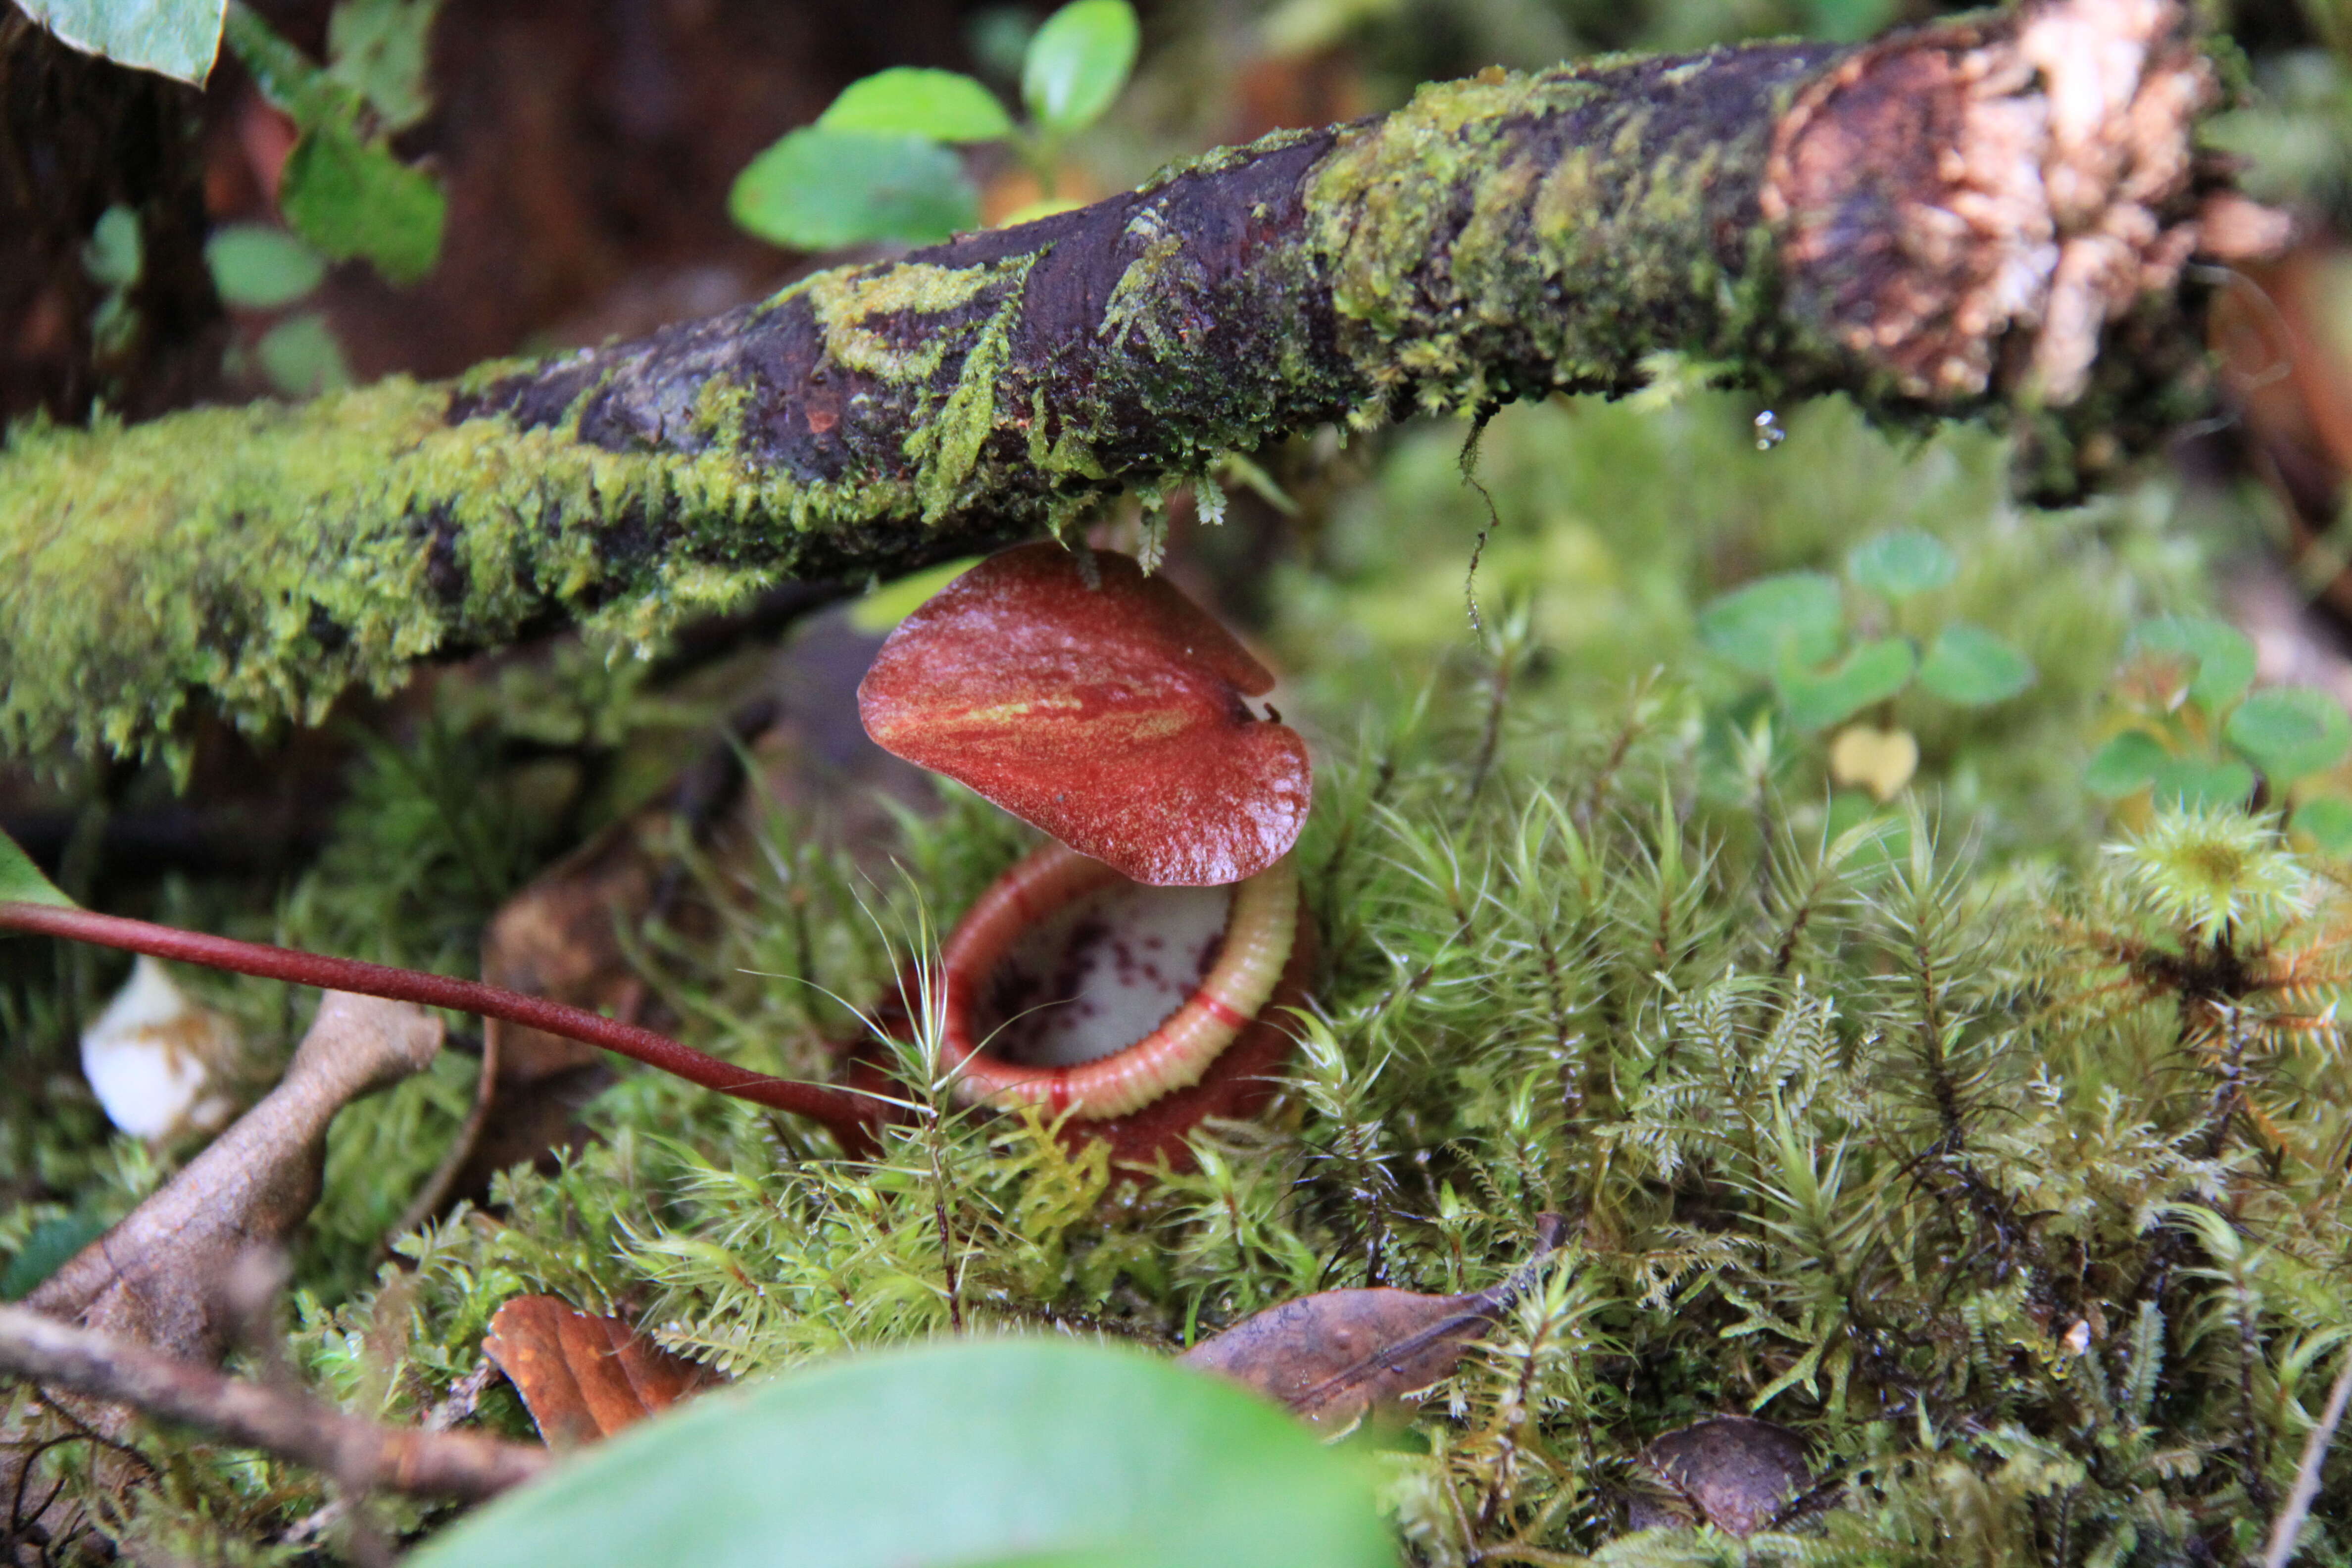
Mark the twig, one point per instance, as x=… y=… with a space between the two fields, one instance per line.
x=2289 y=1523
x=838 y=1110
x=290 y=1424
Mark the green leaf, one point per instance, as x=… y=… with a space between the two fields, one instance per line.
x=1872 y=673
x=908 y=101
x=2128 y=762
x=45 y=1251
x=891 y=602
x=302 y=358
x=21 y=882
x=1006 y=1451
x=352 y=198
x=174 y=37
x=2290 y=730
x=258 y=268
x=819 y=189
x=112 y=256
x=377 y=49
x=1077 y=62
x=1974 y=668
x=1775 y=621
x=2225 y=660
x=2188 y=781
x=1901 y=562
x=2326 y=821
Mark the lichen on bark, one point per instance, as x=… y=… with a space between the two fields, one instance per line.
x=1804 y=217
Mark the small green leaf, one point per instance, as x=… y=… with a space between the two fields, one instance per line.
x=819 y=189
x=21 y=882
x=258 y=268
x=1872 y=673
x=1027 y=1451
x=2186 y=780
x=47 y=1250
x=377 y=49
x=2290 y=730
x=173 y=37
x=909 y=101
x=352 y=198
x=2326 y=821
x=2225 y=660
x=113 y=256
x=1793 y=619
x=891 y=602
x=1077 y=62
x=1901 y=562
x=1974 y=668
x=302 y=358
x=2128 y=762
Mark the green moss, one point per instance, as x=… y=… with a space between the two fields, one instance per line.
x=850 y=302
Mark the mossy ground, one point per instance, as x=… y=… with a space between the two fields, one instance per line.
x=1938 y=1129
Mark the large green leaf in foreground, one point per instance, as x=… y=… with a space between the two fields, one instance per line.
x=990 y=1451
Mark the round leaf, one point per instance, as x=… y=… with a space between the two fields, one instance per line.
x=1901 y=562
x=2290 y=730
x=1772 y=622
x=113 y=256
x=1007 y=1451
x=819 y=189
x=2326 y=821
x=1871 y=673
x=2128 y=762
x=1972 y=666
x=1109 y=713
x=2225 y=660
x=1078 y=62
x=302 y=358
x=258 y=268
x=2188 y=780
x=912 y=100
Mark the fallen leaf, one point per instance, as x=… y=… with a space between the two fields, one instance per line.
x=584 y=1377
x=1737 y=1473
x=1101 y=705
x=1880 y=761
x=1335 y=1356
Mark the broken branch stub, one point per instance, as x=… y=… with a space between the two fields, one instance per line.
x=1987 y=217
x=156 y=1279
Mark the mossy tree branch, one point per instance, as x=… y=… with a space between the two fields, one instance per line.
x=1988 y=218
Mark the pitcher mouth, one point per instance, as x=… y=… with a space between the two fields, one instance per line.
x=1063 y=956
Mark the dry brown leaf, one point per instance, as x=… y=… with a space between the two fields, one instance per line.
x=582 y=1376
x=1334 y=1357
x=1735 y=1472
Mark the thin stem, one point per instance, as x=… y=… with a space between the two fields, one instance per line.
x=846 y=1113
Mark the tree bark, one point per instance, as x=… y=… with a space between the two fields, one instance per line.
x=1988 y=218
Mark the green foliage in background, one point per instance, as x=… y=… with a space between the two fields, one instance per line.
x=2191 y=730
x=177 y=37
x=343 y=189
x=879 y=164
